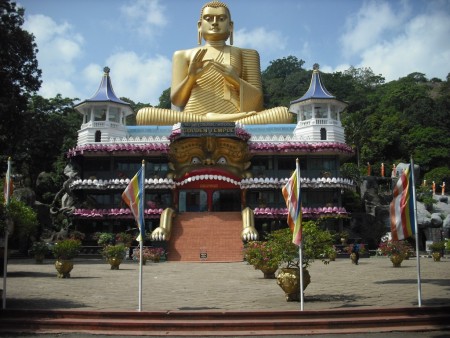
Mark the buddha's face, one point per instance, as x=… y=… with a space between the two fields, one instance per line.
x=215 y=24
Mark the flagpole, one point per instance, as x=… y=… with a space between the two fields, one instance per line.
x=300 y=247
x=300 y=254
x=141 y=233
x=6 y=233
x=416 y=230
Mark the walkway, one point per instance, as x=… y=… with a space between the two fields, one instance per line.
x=223 y=286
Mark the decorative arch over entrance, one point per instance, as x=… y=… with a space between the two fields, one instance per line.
x=209 y=195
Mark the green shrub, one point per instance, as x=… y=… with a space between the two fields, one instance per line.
x=39 y=249
x=437 y=246
x=125 y=238
x=105 y=238
x=114 y=251
x=425 y=196
x=317 y=244
x=351 y=171
x=66 y=249
x=438 y=175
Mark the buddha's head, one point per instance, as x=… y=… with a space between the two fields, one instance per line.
x=215 y=23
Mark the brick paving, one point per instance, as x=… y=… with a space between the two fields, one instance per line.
x=223 y=286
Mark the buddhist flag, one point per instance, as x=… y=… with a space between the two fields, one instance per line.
x=9 y=186
x=402 y=207
x=292 y=196
x=134 y=198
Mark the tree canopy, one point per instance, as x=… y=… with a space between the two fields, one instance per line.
x=19 y=78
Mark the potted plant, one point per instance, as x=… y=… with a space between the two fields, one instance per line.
x=114 y=254
x=156 y=254
x=353 y=256
x=260 y=255
x=395 y=250
x=343 y=235
x=125 y=238
x=148 y=253
x=39 y=250
x=437 y=248
x=105 y=238
x=75 y=234
x=64 y=252
x=317 y=244
x=333 y=254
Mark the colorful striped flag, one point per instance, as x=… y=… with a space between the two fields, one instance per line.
x=8 y=188
x=134 y=198
x=292 y=196
x=402 y=207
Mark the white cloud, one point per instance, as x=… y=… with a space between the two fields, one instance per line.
x=52 y=87
x=59 y=48
x=138 y=78
x=395 y=44
x=270 y=45
x=144 y=16
x=368 y=25
x=260 y=39
x=422 y=47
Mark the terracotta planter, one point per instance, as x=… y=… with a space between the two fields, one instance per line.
x=396 y=260
x=289 y=280
x=63 y=267
x=114 y=262
x=269 y=272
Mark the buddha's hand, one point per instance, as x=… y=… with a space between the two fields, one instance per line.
x=249 y=234
x=159 y=234
x=198 y=66
x=228 y=73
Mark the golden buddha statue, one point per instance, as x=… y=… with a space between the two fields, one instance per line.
x=215 y=82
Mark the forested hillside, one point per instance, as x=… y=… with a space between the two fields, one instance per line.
x=384 y=122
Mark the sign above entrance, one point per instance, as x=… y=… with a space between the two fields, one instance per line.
x=200 y=129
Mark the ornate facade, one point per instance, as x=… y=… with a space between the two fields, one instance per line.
x=205 y=168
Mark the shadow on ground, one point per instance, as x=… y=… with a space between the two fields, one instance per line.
x=332 y=298
x=39 y=303
x=30 y=274
x=440 y=282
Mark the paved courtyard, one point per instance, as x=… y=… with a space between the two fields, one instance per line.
x=223 y=286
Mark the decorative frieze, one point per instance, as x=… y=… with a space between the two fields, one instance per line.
x=246 y=183
x=307 y=213
x=150 y=183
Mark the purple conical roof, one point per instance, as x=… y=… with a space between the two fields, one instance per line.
x=105 y=92
x=316 y=89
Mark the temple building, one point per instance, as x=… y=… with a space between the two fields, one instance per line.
x=209 y=186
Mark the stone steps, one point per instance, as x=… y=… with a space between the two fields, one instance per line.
x=206 y=236
x=227 y=323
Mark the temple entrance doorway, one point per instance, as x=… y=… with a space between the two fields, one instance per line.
x=201 y=200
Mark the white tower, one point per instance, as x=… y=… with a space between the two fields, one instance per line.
x=104 y=115
x=318 y=113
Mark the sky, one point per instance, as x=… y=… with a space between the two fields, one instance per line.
x=137 y=38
